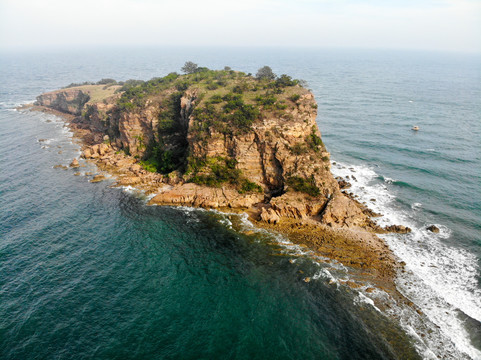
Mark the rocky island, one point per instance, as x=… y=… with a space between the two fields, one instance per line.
x=229 y=141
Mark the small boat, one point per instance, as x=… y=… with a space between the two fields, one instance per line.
x=415 y=128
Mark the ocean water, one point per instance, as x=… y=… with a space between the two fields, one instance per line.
x=90 y=271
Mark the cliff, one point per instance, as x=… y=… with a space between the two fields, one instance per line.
x=227 y=140
x=217 y=139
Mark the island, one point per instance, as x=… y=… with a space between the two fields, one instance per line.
x=227 y=140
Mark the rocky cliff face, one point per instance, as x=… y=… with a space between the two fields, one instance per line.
x=70 y=101
x=255 y=150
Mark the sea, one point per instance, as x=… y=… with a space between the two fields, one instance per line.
x=90 y=271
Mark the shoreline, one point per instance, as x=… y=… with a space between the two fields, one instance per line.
x=359 y=249
x=371 y=265
x=371 y=252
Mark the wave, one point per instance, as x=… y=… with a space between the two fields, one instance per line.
x=440 y=279
x=12 y=105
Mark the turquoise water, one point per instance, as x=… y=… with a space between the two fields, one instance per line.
x=89 y=271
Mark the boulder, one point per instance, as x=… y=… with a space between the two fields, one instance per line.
x=74 y=163
x=103 y=148
x=269 y=216
x=341 y=211
x=97 y=178
x=87 y=153
x=400 y=229
x=433 y=228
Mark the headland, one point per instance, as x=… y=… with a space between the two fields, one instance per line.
x=230 y=141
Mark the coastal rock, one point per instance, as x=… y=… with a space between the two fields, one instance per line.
x=340 y=211
x=195 y=195
x=87 y=154
x=296 y=206
x=97 y=178
x=276 y=158
x=433 y=228
x=343 y=184
x=66 y=100
x=269 y=216
x=400 y=229
x=129 y=181
x=74 y=163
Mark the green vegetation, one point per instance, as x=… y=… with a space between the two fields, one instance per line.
x=107 y=82
x=149 y=165
x=314 y=141
x=249 y=186
x=307 y=186
x=159 y=159
x=169 y=116
x=234 y=116
x=189 y=67
x=285 y=80
x=223 y=102
x=135 y=96
x=295 y=98
x=299 y=149
x=265 y=73
x=215 y=172
x=222 y=170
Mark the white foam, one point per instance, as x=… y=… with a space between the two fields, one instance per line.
x=416 y=206
x=12 y=106
x=440 y=278
x=363 y=299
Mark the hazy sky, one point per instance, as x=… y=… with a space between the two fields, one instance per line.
x=403 y=24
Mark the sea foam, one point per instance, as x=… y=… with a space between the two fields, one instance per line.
x=440 y=279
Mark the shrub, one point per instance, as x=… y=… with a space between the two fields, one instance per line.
x=222 y=170
x=169 y=116
x=306 y=186
x=285 y=80
x=238 y=89
x=249 y=186
x=295 y=98
x=298 y=149
x=182 y=85
x=79 y=84
x=212 y=86
x=149 y=165
x=130 y=84
x=266 y=100
x=314 y=141
x=215 y=99
x=106 y=81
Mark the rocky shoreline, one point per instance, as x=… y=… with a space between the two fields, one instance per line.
x=356 y=248
x=332 y=224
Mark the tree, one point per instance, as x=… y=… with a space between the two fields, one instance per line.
x=189 y=67
x=265 y=72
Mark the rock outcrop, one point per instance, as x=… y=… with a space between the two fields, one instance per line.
x=69 y=101
x=257 y=145
x=433 y=229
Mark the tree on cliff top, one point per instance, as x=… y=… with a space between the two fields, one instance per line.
x=189 y=67
x=265 y=72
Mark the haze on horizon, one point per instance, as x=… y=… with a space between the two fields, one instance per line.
x=451 y=25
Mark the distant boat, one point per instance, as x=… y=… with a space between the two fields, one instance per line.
x=415 y=128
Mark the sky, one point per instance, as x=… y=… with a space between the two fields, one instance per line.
x=451 y=25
